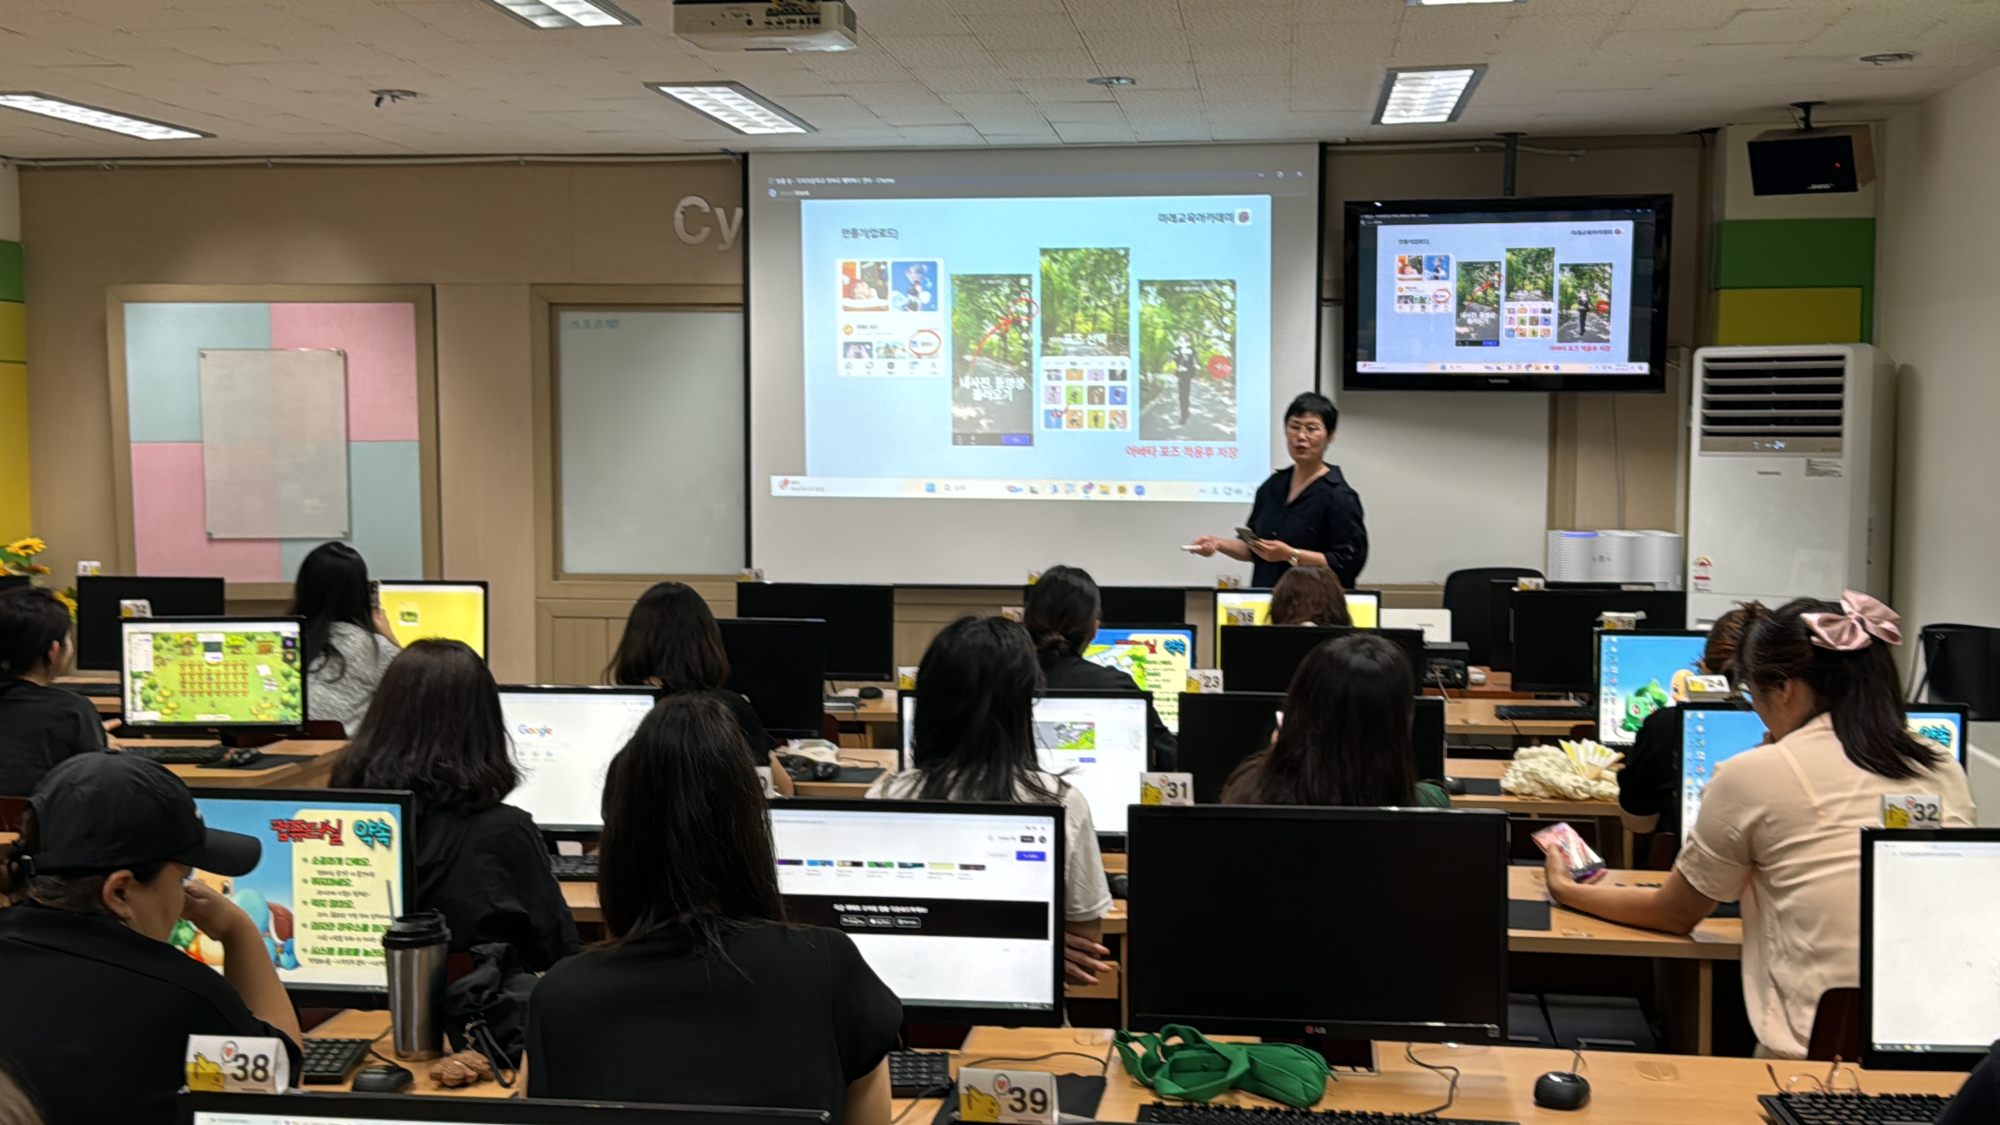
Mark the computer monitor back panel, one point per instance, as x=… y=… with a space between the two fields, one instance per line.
x=451 y=611
x=1143 y=605
x=1095 y=740
x=296 y=1108
x=1427 y=737
x=1710 y=736
x=1553 y=631
x=860 y=622
x=1263 y=658
x=779 y=664
x=1940 y=724
x=1639 y=673
x=1930 y=905
x=564 y=739
x=1219 y=730
x=1157 y=659
x=336 y=870
x=1438 y=974
x=957 y=906
x=230 y=674
x=103 y=600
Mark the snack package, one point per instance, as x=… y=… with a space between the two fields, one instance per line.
x=1584 y=865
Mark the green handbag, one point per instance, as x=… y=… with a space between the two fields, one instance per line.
x=1197 y=1069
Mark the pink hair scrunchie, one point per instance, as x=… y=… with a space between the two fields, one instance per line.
x=1861 y=622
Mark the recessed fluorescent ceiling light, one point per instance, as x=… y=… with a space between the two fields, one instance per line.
x=1428 y=96
x=99 y=118
x=735 y=105
x=550 y=14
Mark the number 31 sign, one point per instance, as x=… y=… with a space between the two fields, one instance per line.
x=1007 y=1097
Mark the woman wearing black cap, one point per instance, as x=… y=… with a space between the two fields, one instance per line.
x=100 y=877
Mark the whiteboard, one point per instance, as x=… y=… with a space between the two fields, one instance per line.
x=274 y=443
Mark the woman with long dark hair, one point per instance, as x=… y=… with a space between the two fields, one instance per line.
x=1062 y=613
x=1345 y=739
x=435 y=729
x=346 y=644
x=40 y=725
x=703 y=995
x=672 y=642
x=1779 y=827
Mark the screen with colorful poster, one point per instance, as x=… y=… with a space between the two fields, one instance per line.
x=452 y=611
x=1639 y=673
x=1711 y=736
x=213 y=672
x=1940 y=724
x=335 y=872
x=1157 y=660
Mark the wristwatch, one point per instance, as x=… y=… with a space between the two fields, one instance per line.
x=1295 y=558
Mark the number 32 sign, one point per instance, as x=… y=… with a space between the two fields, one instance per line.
x=1007 y=1097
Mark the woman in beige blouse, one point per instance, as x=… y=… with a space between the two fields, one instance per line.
x=1780 y=825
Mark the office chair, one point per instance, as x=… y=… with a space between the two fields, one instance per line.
x=1468 y=595
x=1962 y=665
x=1836 y=1030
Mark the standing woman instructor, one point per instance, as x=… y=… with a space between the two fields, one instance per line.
x=1307 y=514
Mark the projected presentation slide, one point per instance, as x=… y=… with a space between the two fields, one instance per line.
x=1157 y=660
x=1639 y=673
x=450 y=611
x=1710 y=737
x=213 y=674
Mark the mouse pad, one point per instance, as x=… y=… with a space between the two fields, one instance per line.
x=1527 y=914
x=267 y=762
x=1077 y=1095
x=858 y=775
x=1481 y=786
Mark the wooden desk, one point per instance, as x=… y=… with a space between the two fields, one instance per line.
x=105 y=704
x=1498 y=685
x=375 y=1025
x=1492 y=769
x=310 y=774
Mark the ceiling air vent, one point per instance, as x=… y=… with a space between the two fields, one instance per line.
x=1783 y=405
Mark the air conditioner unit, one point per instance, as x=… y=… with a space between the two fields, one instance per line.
x=779 y=25
x=1790 y=470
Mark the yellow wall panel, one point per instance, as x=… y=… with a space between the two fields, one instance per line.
x=13 y=451
x=1787 y=316
x=13 y=332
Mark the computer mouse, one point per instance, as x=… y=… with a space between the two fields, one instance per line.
x=389 y=1080
x=1558 y=1089
x=243 y=756
x=825 y=771
x=1121 y=885
x=1454 y=786
x=870 y=693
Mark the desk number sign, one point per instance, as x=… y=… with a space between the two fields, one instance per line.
x=1007 y=1097
x=1166 y=789
x=1912 y=810
x=236 y=1065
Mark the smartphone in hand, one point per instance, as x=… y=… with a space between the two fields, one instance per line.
x=1584 y=865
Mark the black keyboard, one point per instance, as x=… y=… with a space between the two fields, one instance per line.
x=327 y=1061
x=916 y=1074
x=1854 y=1109
x=1176 y=1113
x=1517 y=711
x=171 y=755
x=574 y=868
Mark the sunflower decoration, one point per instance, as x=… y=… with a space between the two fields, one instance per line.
x=18 y=557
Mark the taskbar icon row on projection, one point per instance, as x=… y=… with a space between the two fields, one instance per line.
x=934 y=488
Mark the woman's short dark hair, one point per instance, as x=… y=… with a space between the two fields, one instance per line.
x=973 y=734
x=31 y=620
x=1316 y=405
x=1859 y=690
x=1062 y=611
x=687 y=831
x=671 y=639
x=1346 y=734
x=1309 y=595
x=78 y=892
x=434 y=728
x=331 y=587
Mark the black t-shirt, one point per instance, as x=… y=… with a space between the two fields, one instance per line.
x=1978 y=1101
x=1650 y=783
x=98 y=1016
x=1076 y=673
x=788 y=1020
x=488 y=873
x=1326 y=518
x=39 y=727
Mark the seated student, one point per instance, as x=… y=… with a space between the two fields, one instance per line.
x=40 y=725
x=703 y=995
x=972 y=739
x=1309 y=595
x=346 y=644
x=671 y=641
x=15 y=1108
x=1978 y=1100
x=1780 y=825
x=1345 y=739
x=1649 y=787
x=1062 y=615
x=99 y=1005
x=435 y=729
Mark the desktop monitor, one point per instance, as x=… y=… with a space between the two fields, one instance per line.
x=418 y=611
x=1219 y=730
x=860 y=622
x=103 y=600
x=1711 y=734
x=1942 y=724
x=779 y=664
x=296 y=1108
x=1438 y=974
x=1364 y=608
x=1158 y=660
x=1639 y=673
x=564 y=739
x=957 y=906
x=1263 y=658
x=1142 y=605
x=1427 y=737
x=227 y=674
x=1554 y=631
x=1930 y=903
x=1253 y=607
x=1095 y=740
x=337 y=868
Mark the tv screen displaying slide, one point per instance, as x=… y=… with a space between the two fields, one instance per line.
x=1507 y=294
x=217 y=672
x=1060 y=328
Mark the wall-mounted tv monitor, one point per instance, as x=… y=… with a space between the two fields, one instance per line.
x=1550 y=294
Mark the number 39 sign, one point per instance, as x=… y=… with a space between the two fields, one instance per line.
x=223 y=1063
x=1007 y=1097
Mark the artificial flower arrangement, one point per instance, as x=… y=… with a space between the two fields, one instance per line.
x=18 y=558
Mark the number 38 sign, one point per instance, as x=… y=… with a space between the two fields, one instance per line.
x=222 y=1063
x=1010 y=1097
